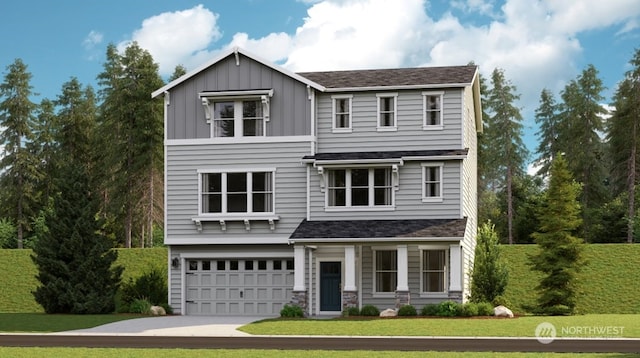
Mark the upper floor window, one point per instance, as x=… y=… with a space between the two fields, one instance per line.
x=431 y=182
x=341 y=113
x=238 y=118
x=434 y=271
x=386 y=270
x=236 y=192
x=387 y=104
x=432 y=110
x=237 y=113
x=359 y=187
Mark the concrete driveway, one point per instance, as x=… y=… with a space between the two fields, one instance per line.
x=196 y=326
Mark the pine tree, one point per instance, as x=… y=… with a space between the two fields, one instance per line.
x=504 y=149
x=547 y=119
x=489 y=276
x=623 y=130
x=18 y=165
x=131 y=124
x=559 y=255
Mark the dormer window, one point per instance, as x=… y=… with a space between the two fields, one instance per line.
x=237 y=113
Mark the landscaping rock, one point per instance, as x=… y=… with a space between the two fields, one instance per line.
x=389 y=312
x=157 y=311
x=502 y=311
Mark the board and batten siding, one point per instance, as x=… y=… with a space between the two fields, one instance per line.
x=409 y=135
x=184 y=161
x=408 y=197
x=290 y=107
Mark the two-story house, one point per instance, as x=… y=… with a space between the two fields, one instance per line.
x=323 y=189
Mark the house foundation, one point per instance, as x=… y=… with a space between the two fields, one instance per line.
x=349 y=299
x=300 y=299
x=403 y=298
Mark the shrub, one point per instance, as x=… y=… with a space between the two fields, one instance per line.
x=140 y=305
x=351 y=311
x=151 y=286
x=485 y=309
x=369 y=310
x=501 y=301
x=407 y=310
x=449 y=309
x=168 y=309
x=489 y=275
x=430 y=310
x=291 y=311
x=469 y=309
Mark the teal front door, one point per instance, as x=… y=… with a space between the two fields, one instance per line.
x=330 y=277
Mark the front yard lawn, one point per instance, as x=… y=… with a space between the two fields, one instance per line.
x=41 y=322
x=584 y=326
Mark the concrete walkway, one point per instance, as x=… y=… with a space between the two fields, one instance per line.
x=192 y=326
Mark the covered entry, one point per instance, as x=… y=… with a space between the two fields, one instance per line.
x=238 y=286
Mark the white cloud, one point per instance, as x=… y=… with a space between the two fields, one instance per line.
x=93 y=38
x=273 y=47
x=180 y=37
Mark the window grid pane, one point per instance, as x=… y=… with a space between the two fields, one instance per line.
x=223 y=119
x=433 y=110
x=337 y=187
x=342 y=113
x=387 y=112
x=434 y=270
x=386 y=271
x=359 y=187
x=382 y=186
x=432 y=182
x=238 y=192
x=252 y=118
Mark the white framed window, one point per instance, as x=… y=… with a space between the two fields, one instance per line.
x=240 y=118
x=360 y=188
x=237 y=113
x=236 y=192
x=434 y=263
x=432 y=182
x=387 y=111
x=342 y=113
x=385 y=263
x=432 y=110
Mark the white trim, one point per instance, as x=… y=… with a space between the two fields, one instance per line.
x=229 y=240
x=374 y=289
x=394 y=126
x=371 y=206
x=439 y=126
x=338 y=209
x=240 y=140
x=456 y=270
x=224 y=214
x=244 y=254
x=298 y=268
x=432 y=199
x=349 y=128
x=235 y=169
x=355 y=163
x=350 y=268
x=236 y=94
x=223 y=55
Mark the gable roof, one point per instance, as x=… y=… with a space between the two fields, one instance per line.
x=365 y=230
x=418 y=77
x=235 y=51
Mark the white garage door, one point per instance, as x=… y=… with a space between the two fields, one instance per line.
x=238 y=287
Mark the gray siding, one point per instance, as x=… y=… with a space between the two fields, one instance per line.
x=409 y=136
x=408 y=197
x=290 y=107
x=183 y=162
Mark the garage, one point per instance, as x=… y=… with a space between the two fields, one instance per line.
x=238 y=286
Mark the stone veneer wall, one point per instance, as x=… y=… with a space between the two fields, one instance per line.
x=299 y=298
x=403 y=298
x=349 y=299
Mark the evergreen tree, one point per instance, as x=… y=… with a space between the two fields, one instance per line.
x=18 y=165
x=547 y=119
x=74 y=260
x=489 y=276
x=559 y=255
x=131 y=124
x=623 y=130
x=178 y=72
x=504 y=151
x=579 y=139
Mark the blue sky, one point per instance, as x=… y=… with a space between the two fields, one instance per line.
x=539 y=43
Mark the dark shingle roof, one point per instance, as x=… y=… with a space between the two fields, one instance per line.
x=386 y=155
x=334 y=229
x=419 y=76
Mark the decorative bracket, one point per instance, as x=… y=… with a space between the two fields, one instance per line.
x=272 y=224
x=223 y=225
x=247 y=224
x=235 y=52
x=395 y=176
x=198 y=225
x=322 y=178
x=265 y=107
x=207 y=108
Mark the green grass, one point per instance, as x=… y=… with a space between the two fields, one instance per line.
x=41 y=322
x=607 y=281
x=19 y=274
x=462 y=327
x=243 y=353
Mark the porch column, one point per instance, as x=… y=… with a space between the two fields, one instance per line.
x=455 y=276
x=403 y=296
x=299 y=294
x=349 y=291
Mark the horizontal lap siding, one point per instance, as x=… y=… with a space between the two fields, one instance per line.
x=290 y=110
x=182 y=186
x=409 y=136
x=409 y=203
